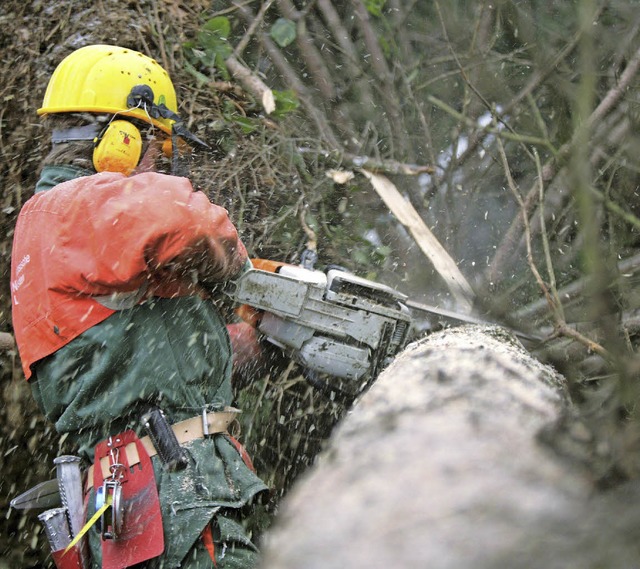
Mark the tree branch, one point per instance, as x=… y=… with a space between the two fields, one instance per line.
x=381 y=70
x=253 y=26
x=311 y=56
x=290 y=77
x=251 y=83
x=550 y=293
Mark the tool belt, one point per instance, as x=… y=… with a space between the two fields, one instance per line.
x=216 y=422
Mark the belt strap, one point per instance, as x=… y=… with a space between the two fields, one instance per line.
x=217 y=422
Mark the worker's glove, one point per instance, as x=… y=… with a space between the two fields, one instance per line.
x=253 y=356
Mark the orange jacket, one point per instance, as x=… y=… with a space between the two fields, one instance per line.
x=104 y=234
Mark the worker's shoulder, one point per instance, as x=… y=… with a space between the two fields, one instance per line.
x=154 y=182
x=115 y=191
x=105 y=186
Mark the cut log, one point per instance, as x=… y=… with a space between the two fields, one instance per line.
x=440 y=465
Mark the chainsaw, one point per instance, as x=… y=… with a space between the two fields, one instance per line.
x=340 y=328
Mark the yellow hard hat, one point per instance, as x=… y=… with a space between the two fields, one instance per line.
x=104 y=79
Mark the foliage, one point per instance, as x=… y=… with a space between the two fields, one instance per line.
x=487 y=95
x=286 y=102
x=210 y=48
x=283 y=32
x=375 y=7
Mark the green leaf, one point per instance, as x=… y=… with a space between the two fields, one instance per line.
x=246 y=124
x=380 y=253
x=219 y=26
x=360 y=257
x=211 y=47
x=213 y=37
x=286 y=102
x=374 y=7
x=283 y=32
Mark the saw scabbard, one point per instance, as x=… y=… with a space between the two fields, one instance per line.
x=64 y=523
x=58 y=532
x=70 y=483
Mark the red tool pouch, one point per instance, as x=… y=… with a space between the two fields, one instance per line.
x=135 y=532
x=68 y=560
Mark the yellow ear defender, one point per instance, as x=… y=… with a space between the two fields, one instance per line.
x=118 y=148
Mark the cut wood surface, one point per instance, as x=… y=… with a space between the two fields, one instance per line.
x=440 y=465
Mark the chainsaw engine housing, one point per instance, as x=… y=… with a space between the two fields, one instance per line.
x=332 y=323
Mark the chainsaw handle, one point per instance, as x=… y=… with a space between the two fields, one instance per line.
x=247 y=313
x=267 y=265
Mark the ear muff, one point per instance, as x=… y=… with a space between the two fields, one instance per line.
x=118 y=148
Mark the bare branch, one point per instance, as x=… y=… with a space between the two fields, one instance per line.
x=342 y=37
x=372 y=164
x=311 y=56
x=380 y=68
x=550 y=294
x=406 y=214
x=612 y=98
x=628 y=267
x=545 y=241
x=252 y=83
x=291 y=77
x=251 y=30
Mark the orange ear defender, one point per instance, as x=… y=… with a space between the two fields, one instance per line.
x=118 y=148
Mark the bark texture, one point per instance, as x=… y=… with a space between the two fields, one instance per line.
x=440 y=465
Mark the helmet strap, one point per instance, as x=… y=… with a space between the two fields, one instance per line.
x=141 y=96
x=76 y=134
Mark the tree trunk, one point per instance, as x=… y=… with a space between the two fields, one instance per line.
x=440 y=465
